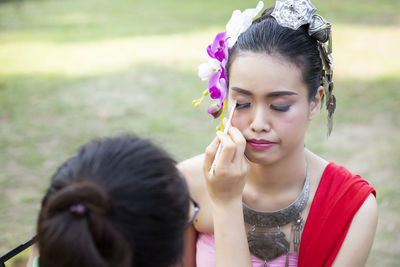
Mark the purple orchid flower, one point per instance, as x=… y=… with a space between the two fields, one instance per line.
x=223 y=86
x=219 y=48
x=214 y=110
x=217 y=83
x=214 y=85
x=217 y=86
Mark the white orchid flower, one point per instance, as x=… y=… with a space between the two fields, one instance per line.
x=240 y=22
x=205 y=70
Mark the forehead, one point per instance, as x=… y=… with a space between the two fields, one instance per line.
x=262 y=74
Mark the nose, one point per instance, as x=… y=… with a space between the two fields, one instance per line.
x=260 y=122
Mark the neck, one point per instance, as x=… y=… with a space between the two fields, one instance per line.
x=278 y=176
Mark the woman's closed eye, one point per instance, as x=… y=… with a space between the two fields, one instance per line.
x=280 y=108
x=244 y=105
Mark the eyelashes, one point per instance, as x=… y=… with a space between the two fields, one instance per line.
x=280 y=108
x=277 y=108
x=240 y=106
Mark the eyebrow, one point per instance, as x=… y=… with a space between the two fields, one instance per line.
x=272 y=94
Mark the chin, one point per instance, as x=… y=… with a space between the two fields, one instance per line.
x=260 y=157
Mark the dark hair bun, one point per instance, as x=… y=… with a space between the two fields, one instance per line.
x=95 y=240
x=91 y=196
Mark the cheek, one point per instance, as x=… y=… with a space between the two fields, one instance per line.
x=238 y=121
x=295 y=118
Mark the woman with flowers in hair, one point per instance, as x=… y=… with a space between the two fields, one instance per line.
x=266 y=199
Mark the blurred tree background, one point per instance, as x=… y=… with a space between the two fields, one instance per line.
x=74 y=70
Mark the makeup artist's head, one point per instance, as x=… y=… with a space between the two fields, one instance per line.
x=274 y=74
x=118 y=202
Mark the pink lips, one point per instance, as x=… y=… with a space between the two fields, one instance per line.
x=260 y=144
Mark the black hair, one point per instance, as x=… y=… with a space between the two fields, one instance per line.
x=265 y=35
x=135 y=201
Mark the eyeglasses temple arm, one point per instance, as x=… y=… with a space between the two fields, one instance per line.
x=17 y=250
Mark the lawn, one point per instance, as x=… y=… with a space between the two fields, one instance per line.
x=74 y=70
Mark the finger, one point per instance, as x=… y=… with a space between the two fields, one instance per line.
x=210 y=154
x=245 y=165
x=240 y=142
x=228 y=149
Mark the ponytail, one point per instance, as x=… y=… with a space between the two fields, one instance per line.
x=75 y=229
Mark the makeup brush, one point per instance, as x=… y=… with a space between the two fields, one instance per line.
x=227 y=126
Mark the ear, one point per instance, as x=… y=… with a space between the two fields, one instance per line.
x=315 y=103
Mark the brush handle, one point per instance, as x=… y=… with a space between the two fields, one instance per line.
x=226 y=129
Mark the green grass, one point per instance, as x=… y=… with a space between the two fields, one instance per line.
x=83 y=20
x=74 y=70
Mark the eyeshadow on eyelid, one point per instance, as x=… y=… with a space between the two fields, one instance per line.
x=280 y=103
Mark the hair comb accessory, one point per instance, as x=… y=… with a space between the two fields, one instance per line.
x=78 y=209
x=215 y=70
x=319 y=28
x=295 y=13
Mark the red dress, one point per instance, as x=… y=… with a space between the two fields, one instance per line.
x=339 y=196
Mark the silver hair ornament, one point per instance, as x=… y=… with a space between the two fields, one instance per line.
x=295 y=13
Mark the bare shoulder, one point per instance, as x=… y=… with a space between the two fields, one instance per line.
x=192 y=171
x=358 y=242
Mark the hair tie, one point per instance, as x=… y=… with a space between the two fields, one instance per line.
x=78 y=209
